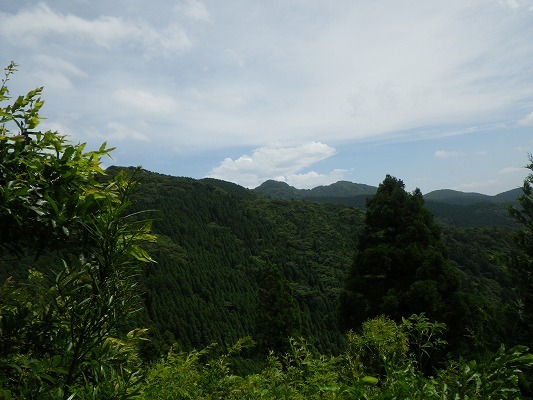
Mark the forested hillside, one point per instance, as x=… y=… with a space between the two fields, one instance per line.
x=216 y=239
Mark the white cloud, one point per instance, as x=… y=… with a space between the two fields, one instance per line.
x=55 y=126
x=194 y=9
x=312 y=179
x=146 y=102
x=55 y=73
x=511 y=170
x=58 y=64
x=474 y=186
x=527 y=120
x=258 y=73
x=33 y=26
x=518 y=4
x=448 y=154
x=512 y=4
x=117 y=131
x=280 y=163
x=53 y=80
x=496 y=184
x=170 y=40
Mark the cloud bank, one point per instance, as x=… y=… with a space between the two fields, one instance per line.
x=34 y=26
x=279 y=163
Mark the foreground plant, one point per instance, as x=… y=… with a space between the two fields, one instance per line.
x=376 y=365
x=61 y=332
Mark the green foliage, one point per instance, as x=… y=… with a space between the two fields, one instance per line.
x=61 y=331
x=303 y=373
x=520 y=263
x=425 y=337
x=279 y=317
x=400 y=267
x=300 y=373
x=194 y=375
x=213 y=242
x=497 y=377
x=380 y=342
x=45 y=182
x=214 y=237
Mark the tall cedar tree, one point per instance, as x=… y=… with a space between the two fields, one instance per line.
x=520 y=263
x=400 y=266
x=279 y=316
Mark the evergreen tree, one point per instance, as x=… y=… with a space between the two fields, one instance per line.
x=279 y=317
x=520 y=263
x=400 y=266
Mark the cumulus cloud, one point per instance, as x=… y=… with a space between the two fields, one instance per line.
x=55 y=126
x=313 y=179
x=280 y=163
x=32 y=26
x=448 y=154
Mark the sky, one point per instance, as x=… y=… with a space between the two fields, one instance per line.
x=309 y=92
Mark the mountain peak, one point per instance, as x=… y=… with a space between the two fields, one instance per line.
x=338 y=189
x=278 y=189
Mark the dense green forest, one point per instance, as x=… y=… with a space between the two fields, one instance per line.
x=215 y=238
x=126 y=283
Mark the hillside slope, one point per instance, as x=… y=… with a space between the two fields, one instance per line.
x=215 y=238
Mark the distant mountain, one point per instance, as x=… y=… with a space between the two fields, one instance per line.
x=282 y=190
x=509 y=196
x=342 y=189
x=456 y=197
x=279 y=190
x=230 y=188
x=462 y=198
x=450 y=207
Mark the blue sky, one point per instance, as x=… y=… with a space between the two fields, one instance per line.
x=436 y=93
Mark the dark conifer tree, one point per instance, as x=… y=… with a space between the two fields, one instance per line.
x=279 y=316
x=400 y=266
x=520 y=263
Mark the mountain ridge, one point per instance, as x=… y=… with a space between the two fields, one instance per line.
x=283 y=190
